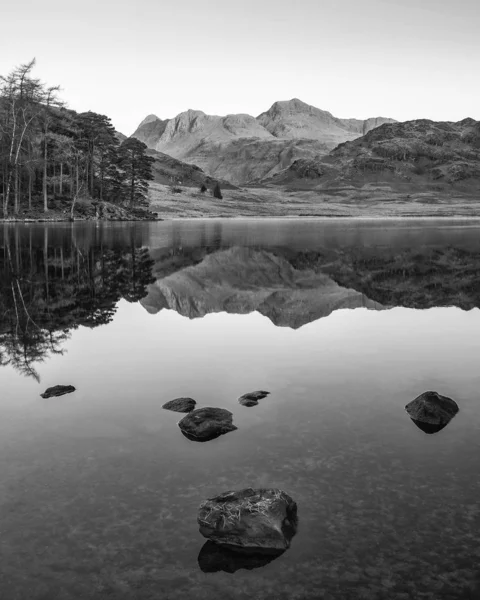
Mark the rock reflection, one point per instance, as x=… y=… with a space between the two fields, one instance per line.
x=214 y=557
x=428 y=427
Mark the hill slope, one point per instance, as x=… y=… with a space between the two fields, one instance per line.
x=414 y=155
x=171 y=171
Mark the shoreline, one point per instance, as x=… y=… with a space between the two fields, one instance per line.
x=327 y=217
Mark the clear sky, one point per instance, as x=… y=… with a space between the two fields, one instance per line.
x=404 y=59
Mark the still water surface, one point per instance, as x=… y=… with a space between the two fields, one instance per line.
x=343 y=322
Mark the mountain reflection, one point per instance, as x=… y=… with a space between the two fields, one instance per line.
x=242 y=280
x=55 y=279
x=47 y=290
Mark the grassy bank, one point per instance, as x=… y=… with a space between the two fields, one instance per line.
x=367 y=202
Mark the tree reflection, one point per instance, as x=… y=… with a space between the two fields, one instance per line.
x=48 y=290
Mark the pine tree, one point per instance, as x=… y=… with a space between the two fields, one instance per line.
x=136 y=169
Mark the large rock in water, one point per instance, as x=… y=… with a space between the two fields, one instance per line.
x=206 y=424
x=261 y=520
x=57 y=390
x=182 y=405
x=431 y=411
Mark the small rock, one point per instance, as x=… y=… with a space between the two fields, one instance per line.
x=182 y=405
x=206 y=424
x=252 y=398
x=261 y=520
x=57 y=390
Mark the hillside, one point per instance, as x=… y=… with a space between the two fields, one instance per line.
x=241 y=148
x=170 y=171
x=411 y=156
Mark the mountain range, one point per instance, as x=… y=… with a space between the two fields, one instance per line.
x=241 y=149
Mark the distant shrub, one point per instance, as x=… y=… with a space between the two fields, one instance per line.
x=203 y=188
x=217 y=193
x=419 y=169
x=175 y=189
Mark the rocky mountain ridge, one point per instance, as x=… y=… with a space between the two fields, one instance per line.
x=241 y=148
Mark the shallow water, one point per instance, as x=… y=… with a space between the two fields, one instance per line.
x=99 y=490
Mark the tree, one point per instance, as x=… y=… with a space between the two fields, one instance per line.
x=50 y=100
x=203 y=188
x=26 y=106
x=135 y=169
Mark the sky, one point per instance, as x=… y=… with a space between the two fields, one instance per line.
x=404 y=59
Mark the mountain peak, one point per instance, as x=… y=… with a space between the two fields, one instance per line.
x=291 y=107
x=148 y=119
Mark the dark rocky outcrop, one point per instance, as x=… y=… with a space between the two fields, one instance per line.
x=206 y=424
x=414 y=156
x=252 y=520
x=215 y=557
x=182 y=405
x=431 y=412
x=57 y=390
x=252 y=398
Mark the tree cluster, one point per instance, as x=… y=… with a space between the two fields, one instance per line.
x=50 y=152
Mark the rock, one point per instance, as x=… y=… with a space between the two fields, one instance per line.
x=206 y=424
x=261 y=520
x=57 y=390
x=182 y=405
x=252 y=398
x=431 y=412
x=215 y=557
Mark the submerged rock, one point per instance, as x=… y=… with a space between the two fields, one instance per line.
x=215 y=557
x=431 y=412
x=252 y=398
x=206 y=424
x=57 y=390
x=261 y=520
x=182 y=405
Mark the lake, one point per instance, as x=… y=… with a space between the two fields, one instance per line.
x=344 y=322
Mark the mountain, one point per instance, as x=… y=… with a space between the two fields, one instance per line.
x=294 y=119
x=242 y=280
x=414 y=155
x=150 y=130
x=241 y=148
